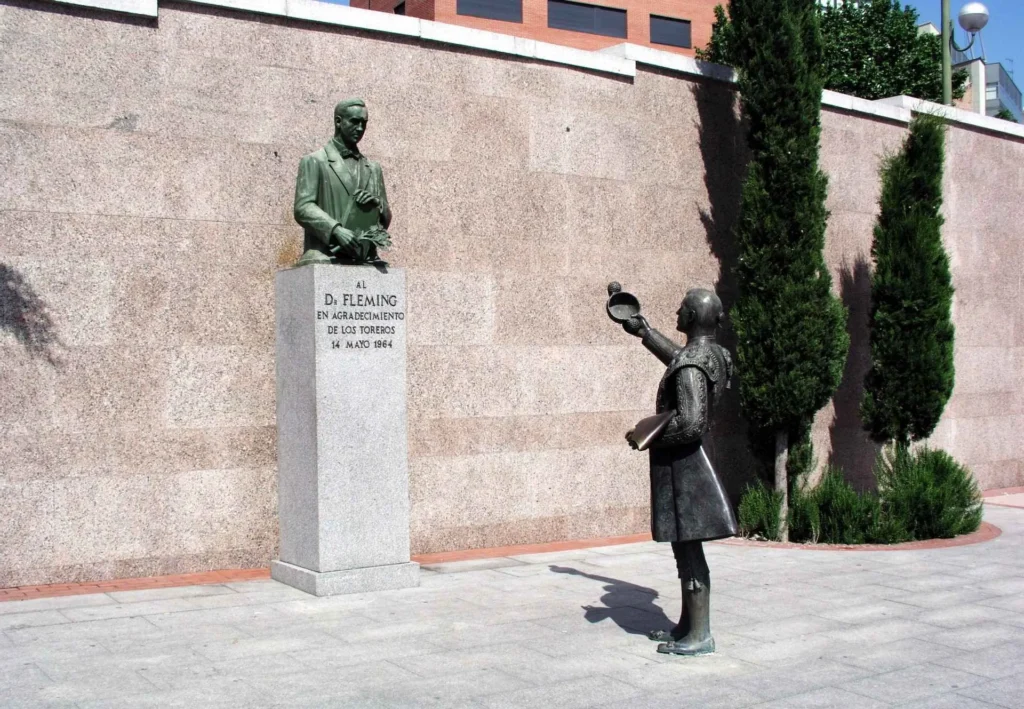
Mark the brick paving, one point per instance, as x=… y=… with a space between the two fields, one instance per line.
x=22 y=593
x=795 y=628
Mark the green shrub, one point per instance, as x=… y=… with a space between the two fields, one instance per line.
x=928 y=492
x=846 y=515
x=759 y=512
x=804 y=516
x=885 y=529
x=921 y=495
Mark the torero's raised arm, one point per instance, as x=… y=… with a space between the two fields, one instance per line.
x=659 y=345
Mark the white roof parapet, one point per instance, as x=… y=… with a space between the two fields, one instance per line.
x=686 y=65
x=146 y=8
x=671 y=60
x=374 y=21
x=955 y=115
x=900 y=109
x=854 y=104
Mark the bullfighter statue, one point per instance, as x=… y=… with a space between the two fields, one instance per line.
x=688 y=501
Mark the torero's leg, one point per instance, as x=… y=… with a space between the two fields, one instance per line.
x=696 y=580
x=683 y=626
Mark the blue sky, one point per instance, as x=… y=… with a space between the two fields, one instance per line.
x=1004 y=36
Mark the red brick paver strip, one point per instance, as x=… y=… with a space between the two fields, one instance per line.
x=987 y=532
x=21 y=593
x=492 y=552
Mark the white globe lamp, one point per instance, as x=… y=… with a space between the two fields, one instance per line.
x=973 y=17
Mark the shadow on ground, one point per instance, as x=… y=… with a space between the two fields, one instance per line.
x=629 y=606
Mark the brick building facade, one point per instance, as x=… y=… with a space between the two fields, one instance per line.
x=674 y=25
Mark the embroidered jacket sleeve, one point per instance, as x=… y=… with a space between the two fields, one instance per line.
x=690 y=422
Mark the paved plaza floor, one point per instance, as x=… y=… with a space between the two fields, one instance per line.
x=795 y=628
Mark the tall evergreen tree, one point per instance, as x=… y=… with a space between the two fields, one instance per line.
x=792 y=339
x=911 y=375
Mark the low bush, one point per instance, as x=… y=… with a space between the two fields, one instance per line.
x=804 y=516
x=922 y=494
x=846 y=515
x=931 y=494
x=759 y=512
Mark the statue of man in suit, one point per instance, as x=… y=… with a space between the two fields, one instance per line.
x=340 y=199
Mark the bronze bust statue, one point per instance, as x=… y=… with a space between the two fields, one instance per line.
x=688 y=501
x=340 y=198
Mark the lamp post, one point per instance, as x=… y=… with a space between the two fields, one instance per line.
x=973 y=17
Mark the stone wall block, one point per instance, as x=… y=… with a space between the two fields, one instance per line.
x=564 y=489
x=479 y=381
x=100 y=519
x=453 y=437
x=219 y=386
x=449 y=308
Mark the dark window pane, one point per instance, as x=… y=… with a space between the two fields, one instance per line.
x=400 y=8
x=507 y=10
x=665 y=30
x=577 y=17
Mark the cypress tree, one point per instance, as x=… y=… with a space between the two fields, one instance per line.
x=911 y=375
x=792 y=339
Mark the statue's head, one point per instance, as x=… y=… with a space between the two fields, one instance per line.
x=701 y=314
x=350 y=119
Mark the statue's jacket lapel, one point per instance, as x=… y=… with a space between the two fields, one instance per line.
x=338 y=166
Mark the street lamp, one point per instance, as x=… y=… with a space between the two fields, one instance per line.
x=973 y=17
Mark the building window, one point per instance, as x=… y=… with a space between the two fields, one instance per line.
x=507 y=10
x=593 y=19
x=400 y=8
x=666 y=30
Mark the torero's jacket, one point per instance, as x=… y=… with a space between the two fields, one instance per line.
x=688 y=500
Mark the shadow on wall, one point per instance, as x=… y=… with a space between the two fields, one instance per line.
x=629 y=606
x=724 y=153
x=24 y=314
x=852 y=448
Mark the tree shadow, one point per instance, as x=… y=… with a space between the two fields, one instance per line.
x=724 y=153
x=629 y=606
x=25 y=315
x=852 y=449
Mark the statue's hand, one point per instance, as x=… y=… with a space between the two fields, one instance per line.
x=364 y=198
x=636 y=326
x=342 y=237
x=629 y=438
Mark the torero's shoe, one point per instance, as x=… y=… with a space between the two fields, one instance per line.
x=679 y=632
x=688 y=647
x=698 y=640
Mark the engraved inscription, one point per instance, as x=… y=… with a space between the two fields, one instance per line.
x=360 y=320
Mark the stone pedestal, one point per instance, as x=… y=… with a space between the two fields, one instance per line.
x=343 y=479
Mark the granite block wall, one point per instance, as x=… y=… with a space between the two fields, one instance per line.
x=146 y=203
